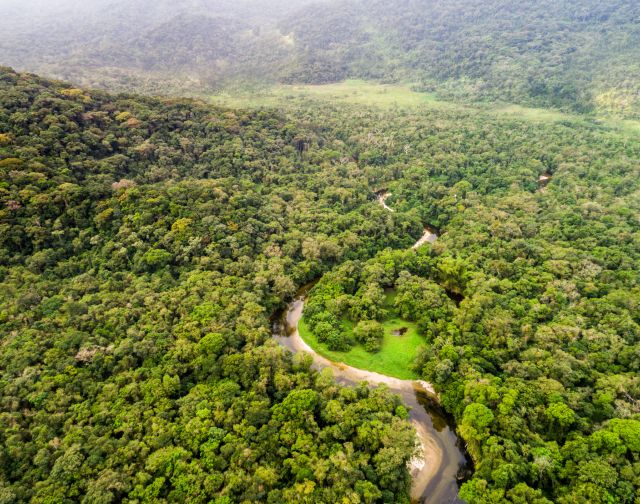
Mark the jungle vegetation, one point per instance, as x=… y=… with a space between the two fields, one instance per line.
x=143 y=246
x=146 y=242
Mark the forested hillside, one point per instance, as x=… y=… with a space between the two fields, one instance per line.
x=143 y=247
x=579 y=55
x=145 y=243
x=151 y=46
x=148 y=247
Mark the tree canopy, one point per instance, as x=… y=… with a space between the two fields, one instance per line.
x=145 y=243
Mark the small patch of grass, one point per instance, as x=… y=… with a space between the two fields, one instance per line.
x=395 y=358
x=367 y=93
x=630 y=126
x=350 y=91
x=531 y=114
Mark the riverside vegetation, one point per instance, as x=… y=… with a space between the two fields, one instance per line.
x=144 y=243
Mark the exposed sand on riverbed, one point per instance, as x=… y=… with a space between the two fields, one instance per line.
x=429 y=236
x=425 y=466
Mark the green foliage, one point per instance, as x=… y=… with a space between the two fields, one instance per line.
x=369 y=333
x=578 y=55
x=539 y=324
x=560 y=415
x=140 y=261
x=155 y=258
x=139 y=264
x=575 y=55
x=420 y=299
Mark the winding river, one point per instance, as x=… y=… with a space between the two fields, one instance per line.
x=381 y=197
x=437 y=471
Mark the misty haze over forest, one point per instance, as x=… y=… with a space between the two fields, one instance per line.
x=579 y=55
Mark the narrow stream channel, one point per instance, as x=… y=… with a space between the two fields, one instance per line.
x=429 y=236
x=381 y=197
x=543 y=180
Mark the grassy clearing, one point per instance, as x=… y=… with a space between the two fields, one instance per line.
x=350 y=91
x=630 y=126
x=531 y=114
x=394 y=359
x=624 y=126
x=401 y=96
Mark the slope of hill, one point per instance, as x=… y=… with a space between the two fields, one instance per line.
x=576 y=55
x=147 y=46
x=581 y=55
x=180 y=44
x=143 y=247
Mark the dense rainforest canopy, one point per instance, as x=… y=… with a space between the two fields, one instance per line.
x=143 y=246
x=580 y=55
x=145 y=243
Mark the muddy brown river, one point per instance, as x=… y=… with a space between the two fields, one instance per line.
x=442 y=464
